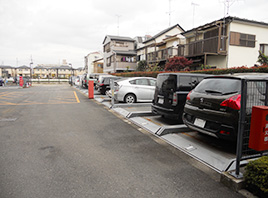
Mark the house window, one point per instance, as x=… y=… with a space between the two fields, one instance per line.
x=240 y=39
x=264 y=49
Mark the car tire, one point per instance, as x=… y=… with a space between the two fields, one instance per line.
x=130 y=98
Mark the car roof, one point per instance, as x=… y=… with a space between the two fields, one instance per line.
x=184 y=74
x=248 y=76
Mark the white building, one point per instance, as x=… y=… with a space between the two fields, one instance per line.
x=89 y=61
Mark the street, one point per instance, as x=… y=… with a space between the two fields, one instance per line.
x=55 y=142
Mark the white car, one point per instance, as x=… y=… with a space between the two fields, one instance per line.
x=136 y=89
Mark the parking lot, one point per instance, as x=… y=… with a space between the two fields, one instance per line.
x=218 y=154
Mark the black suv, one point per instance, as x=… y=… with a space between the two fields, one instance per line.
x=213 y=106
x=171 y=91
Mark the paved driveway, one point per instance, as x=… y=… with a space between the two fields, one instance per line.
x=55 y=142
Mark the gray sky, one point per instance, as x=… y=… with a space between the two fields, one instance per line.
x=52 y=30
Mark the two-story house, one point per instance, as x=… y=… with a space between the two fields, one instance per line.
x=118 y=54
x=23 y=71
x=224 y=43
x=162 y=46
x=7 y=71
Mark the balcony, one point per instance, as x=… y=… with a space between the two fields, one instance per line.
x=207 y=46
x=161 y=55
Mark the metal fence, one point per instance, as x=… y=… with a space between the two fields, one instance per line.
x=253 y=93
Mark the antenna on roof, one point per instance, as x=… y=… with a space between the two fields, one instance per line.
x=169 y=13
x=118 y=16
x=194 y=4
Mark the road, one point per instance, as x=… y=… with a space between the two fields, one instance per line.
x=55 y=142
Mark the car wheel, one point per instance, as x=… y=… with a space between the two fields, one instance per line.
x=130 y=98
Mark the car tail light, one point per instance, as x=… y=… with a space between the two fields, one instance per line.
x=225 y=132
x=232 y=102
x=174 y=99
x=188 y=96
x=101 y=84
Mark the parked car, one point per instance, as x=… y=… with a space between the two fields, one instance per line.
x=213 y=106
x=1 y=81
x=99 y=79
x=77 y=80
x=171 y=91
x=104 y=84
x=136 y=89
x=84 y=80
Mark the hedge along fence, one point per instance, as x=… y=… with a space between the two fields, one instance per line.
x=256 y=176
x=243 y=69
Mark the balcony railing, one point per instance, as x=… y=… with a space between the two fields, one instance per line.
x=161 y=55
x=210 y=45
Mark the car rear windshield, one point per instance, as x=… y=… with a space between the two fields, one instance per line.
x=221 y=86
x=166 y=82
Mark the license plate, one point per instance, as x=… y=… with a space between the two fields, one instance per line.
x=160 y=100
x=199 y=122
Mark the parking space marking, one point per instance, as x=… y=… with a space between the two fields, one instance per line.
x=76 y=97
x=8 y=98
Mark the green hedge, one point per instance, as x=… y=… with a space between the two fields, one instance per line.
x=256 y=176
x=260 y=69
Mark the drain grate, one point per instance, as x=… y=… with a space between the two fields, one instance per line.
x=8 y=119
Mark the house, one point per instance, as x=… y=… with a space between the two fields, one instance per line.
x=7 y=71
x=228 y=42
x=23 y=71
x=159 y=48
x=89 y=59
x=118 y=54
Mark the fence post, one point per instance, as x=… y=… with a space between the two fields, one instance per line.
x=241 y=128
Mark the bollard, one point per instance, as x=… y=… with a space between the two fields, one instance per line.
x=21 y=81
x=90 y=89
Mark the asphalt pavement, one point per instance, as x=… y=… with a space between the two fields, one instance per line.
x=55 y=142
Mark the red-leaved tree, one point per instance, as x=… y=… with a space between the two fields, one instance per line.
x=177 y=63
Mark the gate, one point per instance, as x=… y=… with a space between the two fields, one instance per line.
x=253 y=93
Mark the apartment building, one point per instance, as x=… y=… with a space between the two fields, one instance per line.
x=118 y=54
x=224 y=43
x=56 y=71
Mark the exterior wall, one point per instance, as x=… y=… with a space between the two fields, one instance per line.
x=90 y=58
x=218 y=61
x=98 y=67
x=246 y=56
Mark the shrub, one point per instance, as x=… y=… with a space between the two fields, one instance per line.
x=177 y=63
x=256 y=176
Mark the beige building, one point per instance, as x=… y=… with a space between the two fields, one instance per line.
x=225 y=43
x=60 y=71
x=7 y=71
x=23 y=71
x=98 y=66
x=159 y=48
x=118 y=54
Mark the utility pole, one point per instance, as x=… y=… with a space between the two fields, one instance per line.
x=31 y=69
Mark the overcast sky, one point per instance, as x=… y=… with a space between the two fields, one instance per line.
x=53 y=30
